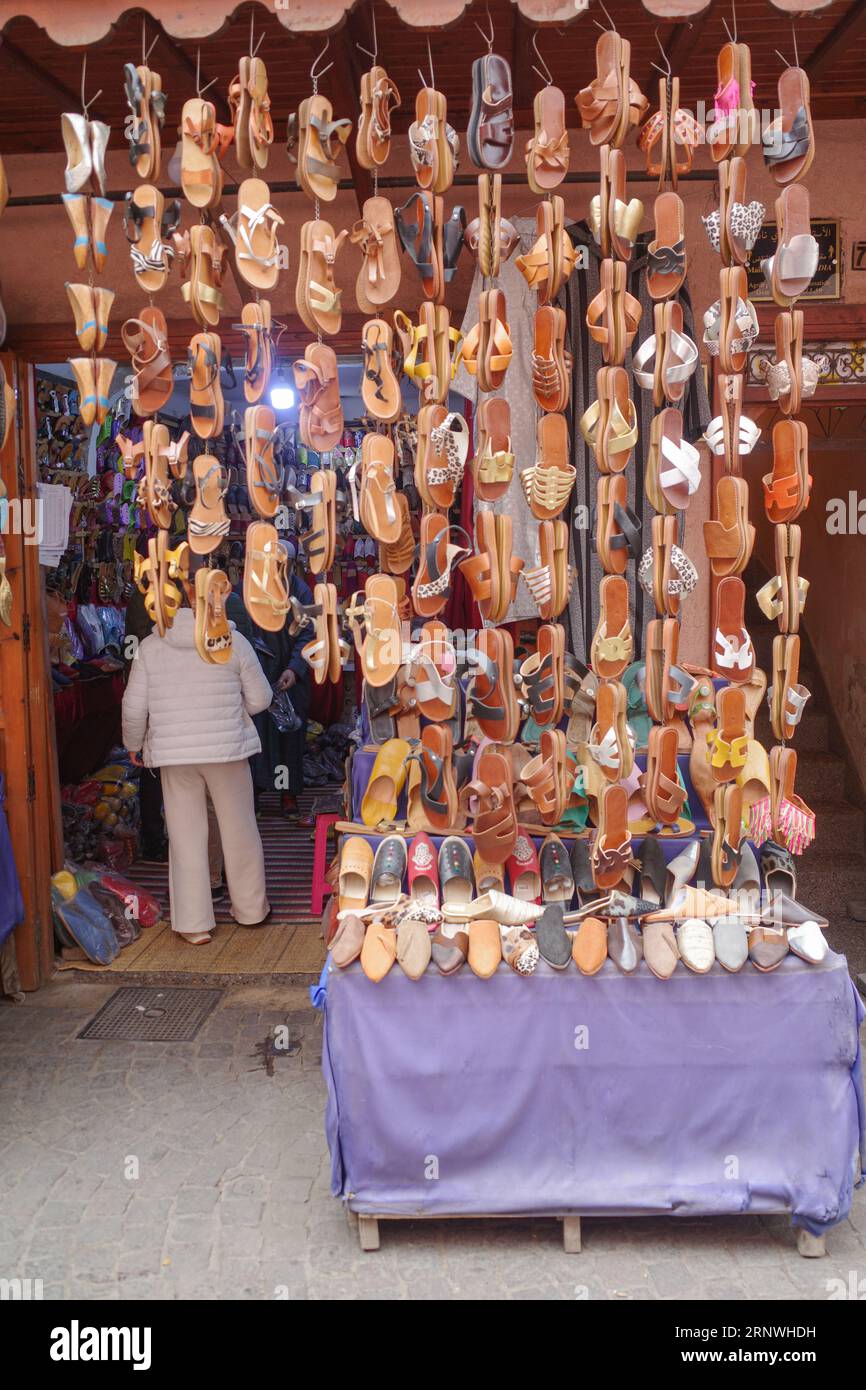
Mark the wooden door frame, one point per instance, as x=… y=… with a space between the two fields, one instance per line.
x=28 y=747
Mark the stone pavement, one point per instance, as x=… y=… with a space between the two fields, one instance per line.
x=185 y=1171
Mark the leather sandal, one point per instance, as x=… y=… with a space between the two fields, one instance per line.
x=787 y=489
x=437 y=557
x=547 y=152
x=494 y=824
x=664 y=795
x=376 y=233
x=612 y=846
x=551 y=363
x=548 y=485
x=612 y=645
x=733 y=656
x=545 y=777
x=729 y=538
x=542 y=676
x=491 y=699
x=493 y=464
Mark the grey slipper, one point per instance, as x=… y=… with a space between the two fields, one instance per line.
x=554 y=942
x=680 y=871
x=624 y=945
x=731 y=942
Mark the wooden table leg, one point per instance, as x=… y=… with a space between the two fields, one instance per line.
x=368 y=1232
x=571 y=1235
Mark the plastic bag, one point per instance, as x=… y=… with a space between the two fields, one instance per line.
x=282 y=711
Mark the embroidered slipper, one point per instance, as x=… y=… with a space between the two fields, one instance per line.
x=547 y=152
x=376 y=234
x=789 y=142
x=612 y=645
x=612 y=845
x=208 y=522
x=146 y=341
x=787 y=489
x=317 y=298
x=493 y=464
x=213 y=637
x=551 y=364
x=380 y=389
x=547 y=486
x=733 y=656
x=666 y=253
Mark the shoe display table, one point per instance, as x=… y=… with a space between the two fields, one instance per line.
x=557 y=1095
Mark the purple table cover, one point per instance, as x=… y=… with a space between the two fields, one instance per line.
x=700 y=1095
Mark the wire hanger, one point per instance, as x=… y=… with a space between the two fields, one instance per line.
x=146 y=52
x=546 y=76
x=796 y=53
x=375 y=53
x=200 y=90
x=610 y=24
x=732 y=37
x=488 y=38
x=432 y=82
x=315 y=71
x=86 y=105
x=254 y=51
x=666 y=70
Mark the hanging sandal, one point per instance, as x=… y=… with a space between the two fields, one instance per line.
x=206 y=406
x=547 y=152
x=787 y=490
x=673 y=465
x=376 y=234
x=380 y=389
x=551 y=363
x=491 y=699
x=208 y=522
x=733 y=656
x=266 y=593
x=547 y=486
x=493 y=464
x=213 y=634
x=437 y=557
x=612 y=645
x=317 y=298
x=611 y=854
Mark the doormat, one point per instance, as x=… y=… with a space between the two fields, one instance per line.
x=134 y=1014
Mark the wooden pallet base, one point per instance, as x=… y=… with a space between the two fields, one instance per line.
x=809 y=1246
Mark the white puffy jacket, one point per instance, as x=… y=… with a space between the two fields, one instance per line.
x=180 y=709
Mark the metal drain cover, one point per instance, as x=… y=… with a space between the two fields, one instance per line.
x=136 y=1014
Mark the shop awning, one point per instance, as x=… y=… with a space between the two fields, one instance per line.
x=75 y=22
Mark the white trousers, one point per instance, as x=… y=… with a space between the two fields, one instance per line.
x=184 y=792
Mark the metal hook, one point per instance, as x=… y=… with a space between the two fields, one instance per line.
x=145 y=51
x=254 y=51
x=488 y=38
x=610 y=24
x=794 y=36
x=375 y=54
x=666 y=70
x=547 y=75
x=430 y=61
x=315 y=71
x=85 y=105
x=783 y=58
x=732 y=37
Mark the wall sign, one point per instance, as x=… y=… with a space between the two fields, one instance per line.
x=827 y=281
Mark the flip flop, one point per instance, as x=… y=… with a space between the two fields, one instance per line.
x=375 y=622
x=379 y=512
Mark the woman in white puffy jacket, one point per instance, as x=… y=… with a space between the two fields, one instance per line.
x=192 y=720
